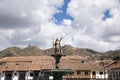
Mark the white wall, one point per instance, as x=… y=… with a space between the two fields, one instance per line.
x=98 y=75
x=101 y=76
x=28 y=77
x=51 y=77
x=2 y=76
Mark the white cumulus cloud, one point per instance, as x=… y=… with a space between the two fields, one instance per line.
x=31 y=22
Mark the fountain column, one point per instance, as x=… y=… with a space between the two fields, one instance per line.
x=57 y=73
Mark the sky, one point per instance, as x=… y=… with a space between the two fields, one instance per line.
x=93 y=24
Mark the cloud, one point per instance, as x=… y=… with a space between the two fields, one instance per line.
x=20 y=21
x=88 y=19
x=31 y=22
x=26 y=13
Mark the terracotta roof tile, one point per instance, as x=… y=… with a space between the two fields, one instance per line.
x=78 y=65
x=73 y=57
x=25 y=58
x=48 y=62
x=115 y=65
x=27 y=63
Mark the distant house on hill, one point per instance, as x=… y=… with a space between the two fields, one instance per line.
x=29 y=68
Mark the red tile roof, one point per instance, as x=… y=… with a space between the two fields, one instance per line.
x=27 y=63
x=114 y=65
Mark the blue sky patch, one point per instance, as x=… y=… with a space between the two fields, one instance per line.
x=107 y=14
x=63 y=14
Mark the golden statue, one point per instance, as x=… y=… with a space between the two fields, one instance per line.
x=57 y=45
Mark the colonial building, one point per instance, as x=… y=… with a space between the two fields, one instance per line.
x=114 y=72
x=24 y=68
x=85 y=69
x=29 y=68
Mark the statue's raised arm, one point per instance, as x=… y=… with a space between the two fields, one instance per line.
x=57 y=45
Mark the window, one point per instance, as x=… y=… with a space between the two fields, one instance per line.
x=8 y=74
x=22 y=74
x=101 y=72
x=31 y=74
x=86 y=73
x=94 y=73
x=78 y=72
x=82 y=61
x=36 y=74
x=15 y=73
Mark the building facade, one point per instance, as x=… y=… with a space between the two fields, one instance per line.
x=114 y=72
x=29 y=68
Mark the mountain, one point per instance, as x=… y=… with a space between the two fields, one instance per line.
x=112 y=54
x=11 y=51
x=69 y=50
x=66 y=49
x=16 y=51
x=32 y=51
